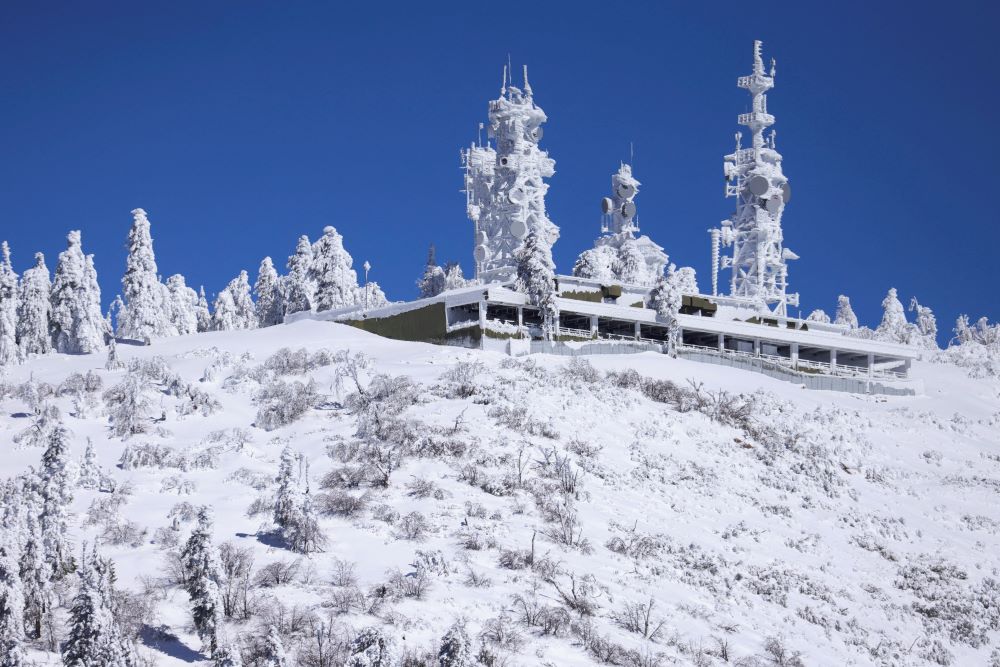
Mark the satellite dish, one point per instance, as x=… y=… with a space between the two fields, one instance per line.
x=516 y=196
x=628 y=210
x=518 y=229
x=481 y=253
x=788 y=254
x=481 y=238
x=774 y=204
x=537 y=134
x=758 y=185
x=607 y=205
x=626 y=190
x=786 y=191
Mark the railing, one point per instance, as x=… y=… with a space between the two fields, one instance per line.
x=748 y=118
x=579 y=333
x=801 y=365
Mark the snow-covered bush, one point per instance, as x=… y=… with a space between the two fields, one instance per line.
x=281 y=403
x=129 y=405
x=371 y=648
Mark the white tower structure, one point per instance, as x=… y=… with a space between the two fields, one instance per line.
x=620 y=224
x=504 y=186
x=754 y=178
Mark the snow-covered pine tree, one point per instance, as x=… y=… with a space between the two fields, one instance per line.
x=371 y=648
x=145 y=315
x=303 y=533
x=845 y=314
x=456 y=649
x=34 y=571
x=631 y=265
x=234 y=308
x=89 y=476
x=330 y=271
x=113 y=363
x=227 y=656
x=536 y=278
x=75 y=324
x=183 y=302
x=285 y=497
x=270 y=310
x=926 y=324
x=9 y=353
x=597 y=263
x=201 y=575
x=453 y=276
x=819 y=315
x=202 y=314
x=11 y=603
x=893 y=327
x=34 y=309
x=432 y=282
x=56 y=496
x=372 y=295
x=94 y=637
x=274 y=654
x=297 y=288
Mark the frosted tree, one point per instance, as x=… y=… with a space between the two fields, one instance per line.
x=34 y=571
x=145 y=315
x=819 y=315
x=432 y=282
x=201 y=312
x=94 y=636
x=113 y=363
x=183 y=302
x=453 y=276
x=227 y=656
x=270 y=310
x=456 y=649
x=330 y=271
x=536 y=278
x=631 y=265
x=56 y=496
x=894 y=325
x=845 y=314
x=666 y=299
x=92 y=329
x=75 y=323
x=201 y=577
x=274 y=654
x=89 y=476
x=597 y=263
x=371 y=648
x=9 y=353
x=285 y=497
x=234 y=308
x=34 y=309
x=926 y=324
x=297 y=287
x=11 y=603
x=372 y=295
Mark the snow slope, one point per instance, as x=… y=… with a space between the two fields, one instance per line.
x=851 y=529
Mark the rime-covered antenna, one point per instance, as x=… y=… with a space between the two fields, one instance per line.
x=503 y=85
x=527 y=86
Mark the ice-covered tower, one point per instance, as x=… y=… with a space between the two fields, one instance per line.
x=754 y=177
x=619 y=208
x=504 y=184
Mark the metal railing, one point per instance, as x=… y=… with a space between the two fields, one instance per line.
x=801 y=365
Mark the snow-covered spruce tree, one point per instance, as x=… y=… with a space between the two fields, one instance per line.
x=330 y=271
x=893 y=327
x=9 y=354
x=227 y=656
x=631 y=265
x=536 y=278
x=201 y=580
x=297 y=288
x=56 y=497
x=453 y=276
x=145 y=315
x=597 y=264
x=34 y=571
x=270 y=309
x=201 y=312
x=819 y=315
x=666 y=299
x=456 y=649
x=183 y=302
x=926 y=324
x=89 y=476
x=76 y=324
x=371 y=648
x=94 y=636
x=113 y=363
x=845 y=314
x=284 y=497
x=33 y=309
x=431 y=283
x=234 y=308
x=274 y=654
x=129 y=405
x=11 y=603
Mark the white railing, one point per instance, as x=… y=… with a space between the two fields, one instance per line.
x=802 y=365
x=579 y=333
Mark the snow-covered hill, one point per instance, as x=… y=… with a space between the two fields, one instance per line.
x=633 y=510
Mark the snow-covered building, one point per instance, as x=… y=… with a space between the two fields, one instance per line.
x=607 y=304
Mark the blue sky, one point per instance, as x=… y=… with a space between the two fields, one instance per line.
x=240 y=126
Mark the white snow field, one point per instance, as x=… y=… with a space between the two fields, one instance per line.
x=545 y=502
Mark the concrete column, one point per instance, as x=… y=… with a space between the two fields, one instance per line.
x=593 y=325
x=520 y=316
x=871 y=362
x=756 y=347
x=555 y=326
x=833 y=360
x=722 y=342
x=482 y=315
x=638 y=330
x=795 y=354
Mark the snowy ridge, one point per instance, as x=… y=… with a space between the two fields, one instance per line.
x=540 y=503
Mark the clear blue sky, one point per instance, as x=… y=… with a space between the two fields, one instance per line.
x=240 y=125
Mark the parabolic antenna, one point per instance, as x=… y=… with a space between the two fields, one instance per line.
x=626 y=190
x=516 y=196
x=481 y=253
x=481 y=238
x=607 y=205
x=758 y=185
x=537 y=134
x=774 y=204
x=628 y=209
x=518 y=229
x=786 y=192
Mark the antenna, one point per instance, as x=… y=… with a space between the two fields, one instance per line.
x=503 y=87
x=527 y=86
x=631 y=153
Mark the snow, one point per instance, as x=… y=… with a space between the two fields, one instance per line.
x=830 y=521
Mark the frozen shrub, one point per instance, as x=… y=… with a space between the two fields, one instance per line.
x=371 y=648
x=341 y=503
x=236 y=585
x=386 y=513
x=637 y=546
x=78 y=383
x=281 y=403
x=781 y=656
x=278 y=573
x=581 y=370
x=413 y=526
x=150 y=455
x=578 y=594
x=502 y=633
x=421 y=488
x=343 y=573
x=638 y=617
x=297 y=362
x=347 y=599
x=378 y=405
x=456 y=649
x=459 y=381
x=413 y=584
x=198 y=401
